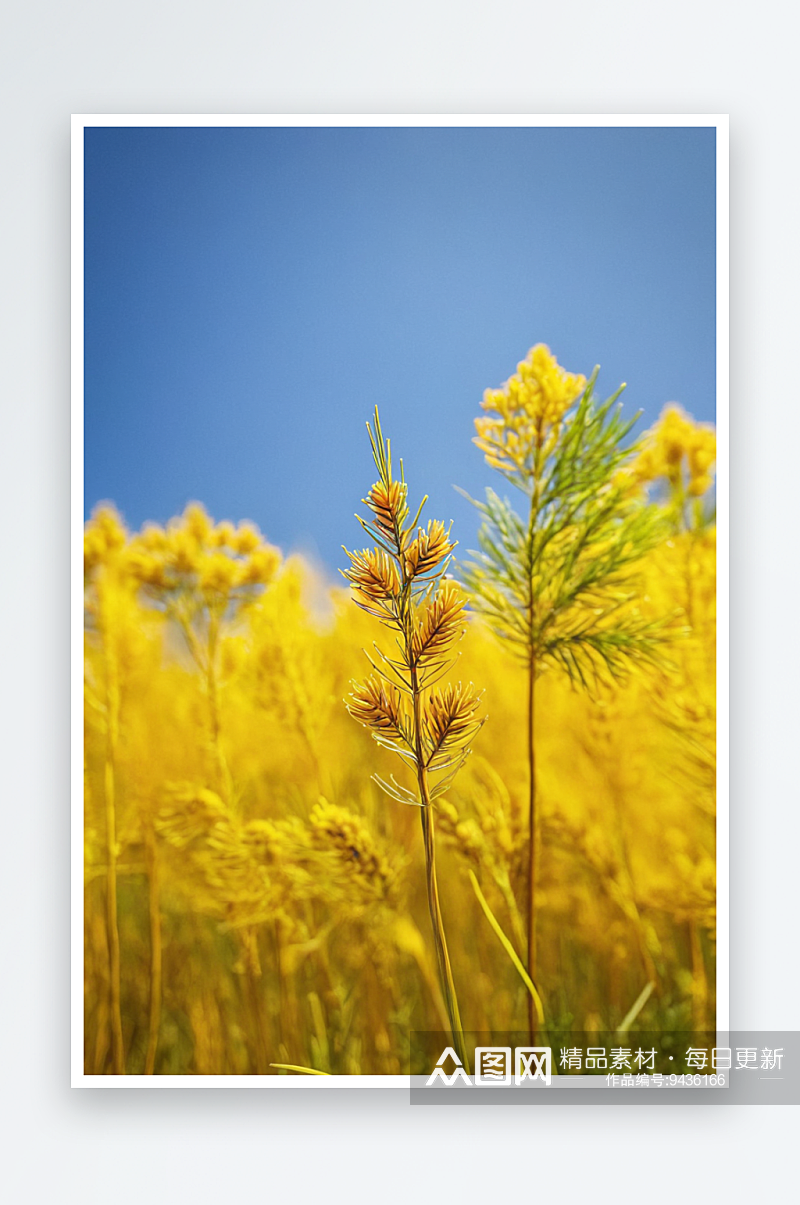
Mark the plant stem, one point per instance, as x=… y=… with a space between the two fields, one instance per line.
x=532 y=842
x=205 y=657
x=155 y=950
x=443 y=958
x=626 y=878
x=699 y=980
x=254 y=998
x=426 y=816
x=112 y=928
x=533 y=516
x=212 y=690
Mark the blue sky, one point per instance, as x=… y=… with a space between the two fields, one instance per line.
x=251 y=294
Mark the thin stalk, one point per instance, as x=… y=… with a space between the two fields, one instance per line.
x=254 y=1008
x=299 y=1070
x=97 y=950
x=101 y=1041
x=212 y=689
x=445 y=969
x=699 y=979
x=437 y=923
x=112 y=926
x=532 y=842
x=280 y=985
x=154 y=907
x=205 y=658
x=434 y=987
x=636 y=1008
x=632 y=910
x=531 y=742
x=391 y=536
x=504 y=885
x=289 y=1016
x=509 y=949
x=254 y=999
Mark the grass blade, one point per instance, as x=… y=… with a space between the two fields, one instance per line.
x=636 y=1008
x=301 y=1070
x=509 y=949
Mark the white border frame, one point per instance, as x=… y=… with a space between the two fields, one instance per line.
x=79 y=122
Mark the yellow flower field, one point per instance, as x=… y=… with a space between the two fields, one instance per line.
x=255 y=901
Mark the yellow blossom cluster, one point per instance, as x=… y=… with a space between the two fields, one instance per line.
x=523 y=416
x=218 y=560
x=679 y=450
x=103 y=538
x=191 y=552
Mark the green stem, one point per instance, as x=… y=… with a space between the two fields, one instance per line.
x=434 y=907
x=532 y=842
x=443 y=958
x=531 y=745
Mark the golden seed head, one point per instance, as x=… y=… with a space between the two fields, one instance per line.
x=440 y=624
x=378 y=705
x=450 y=716
x=388 y=504
x=428 y=550
x=349 y=834
x=373 y=574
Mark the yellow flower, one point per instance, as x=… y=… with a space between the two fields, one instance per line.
x=224 y=535
x=104 y=537
x=197 y=522
x=247 y=538
x=261 y=566
x=218 y=573
x=184 y=552
x=702 y=452
x=144 y=566
x=153 y=538
x=524 y=415
x=679 y=450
